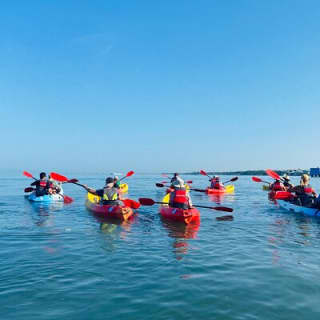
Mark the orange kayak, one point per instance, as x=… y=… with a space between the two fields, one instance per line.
x=180 y=215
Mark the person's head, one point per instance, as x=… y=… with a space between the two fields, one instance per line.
x=43 y=175
x=286 y=177
x=177 y=184
x=109 y=182
x=116 y=178
x=217 y=178
x=304 y=180
x=175 y=174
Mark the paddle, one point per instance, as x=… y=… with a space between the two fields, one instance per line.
x=273 y=174
x=29 y=175
x=29 y=189
x=129 y=174
x=204 y=173
x=127 y=202
x=231 y=180
x=151 y=202
x=256 y=179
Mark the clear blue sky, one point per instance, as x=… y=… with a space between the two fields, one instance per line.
x=159 y=85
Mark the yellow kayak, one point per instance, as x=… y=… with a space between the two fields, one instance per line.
x=124 y=188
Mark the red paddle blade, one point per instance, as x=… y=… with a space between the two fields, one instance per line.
x=282 y=195
x=27 y=174
x=131 y=203
x=130 y=173
x=28 y=189
x=203 y=173
x=256 y=179
x=189 y=181
x=160 y=185
x=273 y=174
x=164 y=175
x=146 y=201
x=164 y=182
x=225 y=218
x=67 y=199
x=58 y=177
x=223 y=209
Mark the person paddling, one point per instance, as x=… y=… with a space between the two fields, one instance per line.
x=277 y=186
x=42 y=185
x=179 y=197
x=109 y=194
x=54 y=186
x=304 y=191
x=216 y=184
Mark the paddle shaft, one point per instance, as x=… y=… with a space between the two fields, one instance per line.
x=196 y=206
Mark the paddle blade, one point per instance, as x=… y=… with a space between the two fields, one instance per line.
x=28 y=189
x=256 y=179
x=234 y=179
x=146 y=201
x=73 y=181
x=189 y=181
x=164 y=175
x=67 y=199
x=131 y=203
x=160 y=185
x=203 y=173
x=27 y=174
x=130 y=173
x=226 y=209
x=225 y=218
x=282 y=195
x=58 y=177
x=273 y=174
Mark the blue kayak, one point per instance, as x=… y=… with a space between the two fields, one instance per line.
x=314 y=212
x=46 y=198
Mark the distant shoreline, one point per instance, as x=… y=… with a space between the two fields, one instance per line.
x=252 y=172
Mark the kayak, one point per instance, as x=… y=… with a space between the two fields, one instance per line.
x=279 y=195
x=108 y=211
x=299 y=209
x=180 y=215
x=227 y=189
x=124 y=188
x=46 y=198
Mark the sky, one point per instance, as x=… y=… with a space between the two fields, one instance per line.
x=159 y=86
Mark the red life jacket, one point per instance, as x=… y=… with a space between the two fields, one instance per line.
x=277 y=186
x=180 y=196
x=42 y=183
x=218 y=185
x=308 y=190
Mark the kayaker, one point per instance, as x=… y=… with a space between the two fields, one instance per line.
x=286 y=181
x=179 y=197
x=305 y=193
x=176 y=179
x=277 y=186
x=42 y=185
x=216 y=184
x=109 y=194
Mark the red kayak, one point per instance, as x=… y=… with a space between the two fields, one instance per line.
x=108 y=211
x=180 y=215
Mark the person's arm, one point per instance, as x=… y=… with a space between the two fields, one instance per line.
x=34 y=183
x=93 y=191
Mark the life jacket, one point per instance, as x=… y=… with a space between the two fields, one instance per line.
x=277 y=186
x=217 y=185
x=42 y=188
x=110 y=195
x=180 y=196
x=308 y=190
x=43 y=183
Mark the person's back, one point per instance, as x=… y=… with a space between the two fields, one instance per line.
x=304 y=192
x=277 y=186
x=217 y=184
x=179 y=197
x=42 y=185
x=109 y=194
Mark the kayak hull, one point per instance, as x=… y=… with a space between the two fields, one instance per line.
x=227 y=189
x=180 y=215
x=122 y=213
x=46 y=198
x=299 y=209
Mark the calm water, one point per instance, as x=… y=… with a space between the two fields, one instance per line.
x=61 y=262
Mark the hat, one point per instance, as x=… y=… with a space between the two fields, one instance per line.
x=109 y=182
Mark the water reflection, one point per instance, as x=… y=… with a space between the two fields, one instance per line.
x=180 y=232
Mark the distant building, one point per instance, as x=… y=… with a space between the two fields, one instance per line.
x=315 y=172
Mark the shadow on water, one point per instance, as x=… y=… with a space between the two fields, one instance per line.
x=180 y=232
